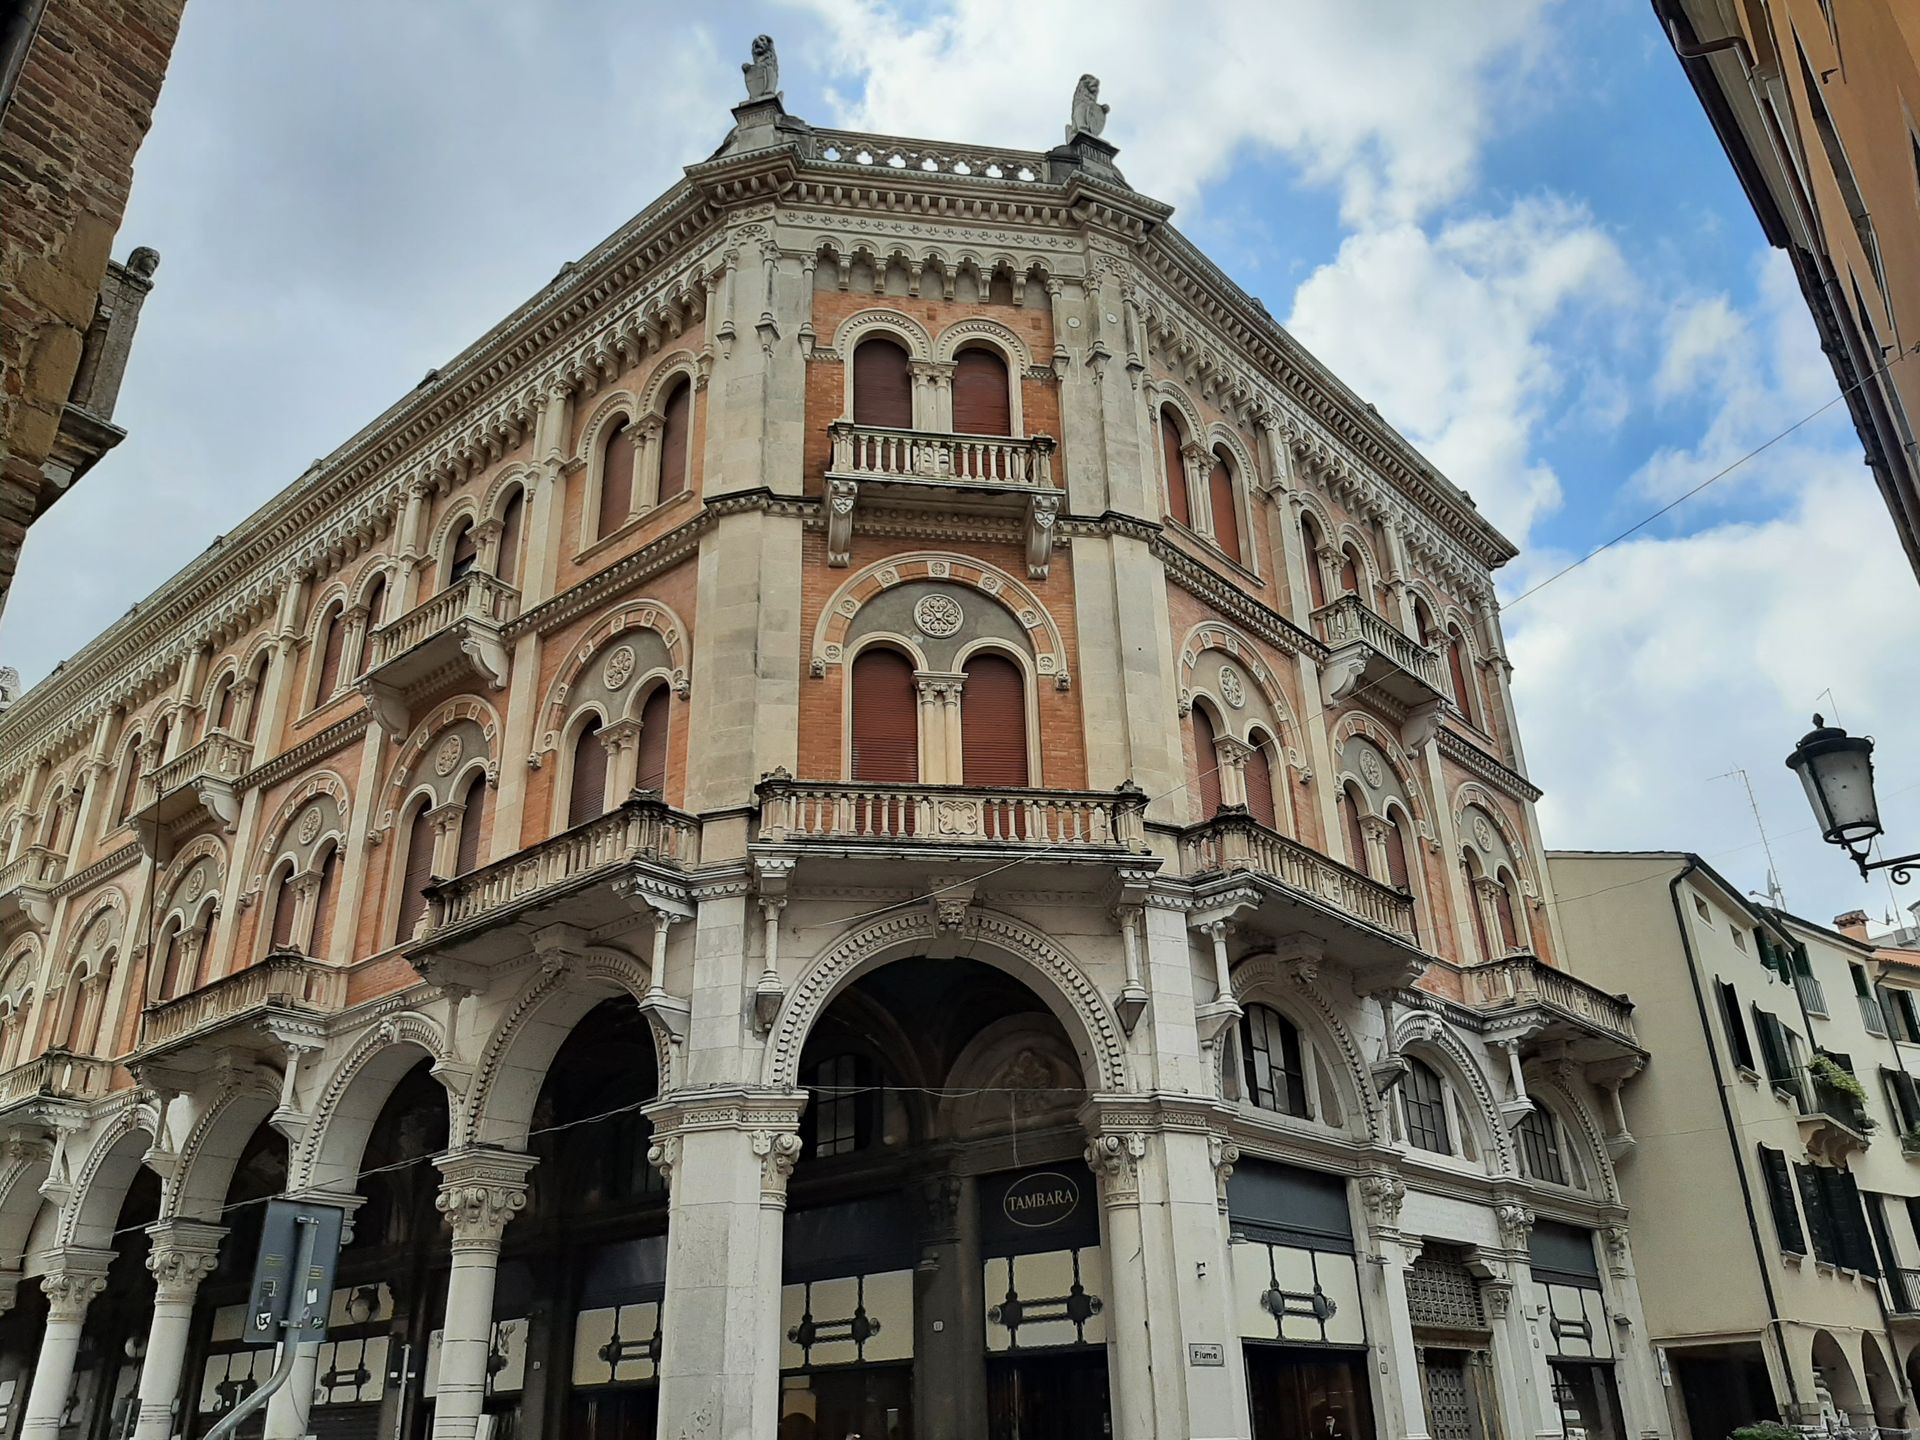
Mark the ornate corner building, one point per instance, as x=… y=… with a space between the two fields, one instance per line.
x=884 y=812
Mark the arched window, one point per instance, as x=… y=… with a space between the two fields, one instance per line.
x=225 y=705
x=1206 y=759
x=843 y=1107
x=587 y=793
x=333 y=639
x=50 y=821
x=1457 y=670
x=203 y=958
x=168 y=957
x=464 y=555
x=650 y=771
x=416 y=874
x=1271 y=1058
x=676 y=439
x=886 y=730
x=324 y=895
x=1423 y=621
x=1423 y=1096
x=285 y=902
x=882 y=385
x=130 y=777
x=1479 y=913
x=1356 y=837
x=1540 y=1148
x=616 y=478
x=1259 y=781
x=83 y=1015
x=377 y=603
x=1349 y=571
x=1316 y=578
x=472 y=815
x=1504 y=908
x=982 y=398
x=254 y=701
x=512 y=519
x=1226 y=515
x=1399 y=873
x=993 y=723
x=1173 y=452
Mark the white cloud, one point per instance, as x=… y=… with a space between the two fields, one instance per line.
x=1465 y=337
x=1383 y=103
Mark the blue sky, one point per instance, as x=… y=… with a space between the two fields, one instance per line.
x=1507 y=224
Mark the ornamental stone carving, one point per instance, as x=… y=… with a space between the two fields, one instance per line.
x=762 y=71
x=478 y=1213
x=778 y=1152
x=69 y=1291
x=1088 y=116
x=938 y=616
x=310 y=825
x=1370 y=770
x=1383 y=1195
x=1225 y=1155
x=619 y=668
x=178 y=1268
x=448 y=755
x=1115 y=1158
x=1231 y=690
x=1516 y=1224
x=1482 y=833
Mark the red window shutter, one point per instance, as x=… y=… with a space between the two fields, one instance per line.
x=676 y=435
x=284 y=904
x=982 y=401
x=1316 y=581
x=1398 y=873
x=417 y=875
x=223 y=717
x=993 y=723
x=651 y=772
x=1356 y=839
x=1503 y=903
x=616 y=479
x=1479 y=915
x=1349 y=571
x=587 y=799
x=377 y=602
x=882 y=386
x=886 y=720
x=1260 y=785
x=1207 y=764
x=470 y=821
x=1173 y=443
x=323 y=898
x=511 y=519
x=1226 y=518
x=330 y=650
x=1457 y=671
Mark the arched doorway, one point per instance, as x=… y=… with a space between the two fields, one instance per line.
x=943 y=1274
x=221 y=1369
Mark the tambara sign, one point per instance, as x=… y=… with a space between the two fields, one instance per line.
x=1041 y=1200
x=281 y=1286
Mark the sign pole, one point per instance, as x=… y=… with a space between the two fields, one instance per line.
x=293 y=1326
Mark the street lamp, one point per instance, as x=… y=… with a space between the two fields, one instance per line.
x=1837 y=770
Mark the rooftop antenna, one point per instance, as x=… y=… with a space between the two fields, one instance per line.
x=1776 y=896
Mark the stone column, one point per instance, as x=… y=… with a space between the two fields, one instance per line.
x=1524 y=1384
x=621 y=740
x=183 y=1254
x=1402 y=1409
x=646 y=464
x=1484 y=891
x=950 y=1342
x=1230 y=755
x=727 y=1156
x=480 y=1191
x=71 y=1281
x=1374 y=831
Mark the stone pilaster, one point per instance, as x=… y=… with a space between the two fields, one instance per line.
x=1402 y=1409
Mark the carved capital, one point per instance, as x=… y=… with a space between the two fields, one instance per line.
x=778 y=1152
x=184 y=1253
x=481 y=1191
x=1516 y=1224
x=70 y=1285
x=1383 y=1195
x=1115 y=1157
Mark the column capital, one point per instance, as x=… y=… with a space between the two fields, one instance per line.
x=183 y=1253
x=1383 y=1194
x=1516 y=1224
x=76 y=1275
x=481 y=1189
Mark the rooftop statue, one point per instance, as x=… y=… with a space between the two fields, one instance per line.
x=762 y=71
x=1089 y=115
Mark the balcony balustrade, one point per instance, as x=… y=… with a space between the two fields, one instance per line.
x=1812 y=995
x=1833 y=1123
x=583 y=877
x=947 y=816
x=259 y=1010
x=57 y=1075
x=454 y=635
x=202 y=782
x=990 y=474
x=1368 y=653
x=1903 y=1291
x=26 y=886
x=1549 y=1005
x=1240 y=843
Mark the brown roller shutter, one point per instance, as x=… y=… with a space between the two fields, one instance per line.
x=616 y=479
x=510 y=522
x=169 y=966
x=1356 y=838
x=466 y=552
x=1457 y=672
x=377 y=602
x=1260 y=785
x=330 y=650
x=1173 y=442
x=1206 y=757
x=1397 y=870
x=323 y=897
x=283 y=908
x=1503 y=903
x=1226 y=518
x=1349 y=571
x=587 y=798
x=982 y=401
x=882 y=386
x=676 y=433
x=651 y=772
x=229 y=697
x=418 y=874
x=1316 y=580
x=468 y=857
x=886 y=729
x=993 y=724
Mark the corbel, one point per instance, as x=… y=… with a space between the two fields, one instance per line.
x=771 y=992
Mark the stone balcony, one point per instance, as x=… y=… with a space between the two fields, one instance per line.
x=1832 y=1123
x=629 y=859
x=1541 y=1007
x=975 y=474
x=53 y=1082
x=262 y=1011
x=1370 y=654
x=26 y=887
x=452 y=637
x=201 y=783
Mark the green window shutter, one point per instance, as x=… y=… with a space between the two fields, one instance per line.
x=1813 y=1195
x=1786 y=1218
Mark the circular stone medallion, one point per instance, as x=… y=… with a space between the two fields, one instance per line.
x=1482 y=832
x=1231 y=690
x=448 y=755
x=619 y=668
x=1370 y=770
x=938 y=616
x=310 y=825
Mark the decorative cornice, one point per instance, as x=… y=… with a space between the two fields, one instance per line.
x=1485 y=767
x=111 y=864
x=1260 y=619
x=287 y=763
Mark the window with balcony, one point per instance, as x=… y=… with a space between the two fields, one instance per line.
x=676 y=440
x=1312 y=543
x=330 y=647
x=982 y=393
x=650 y=772
x=617 y=457
x=129 y=778
x=250 y=721
x=1223 y=502
x=1350 y=811
x=1206 y=759
x=1351 y=572
x=473 y=814
x=587 y=775
x=513 y=519
x=225 y=707
x=1273 y=1062
x=885 y=727
x=1173 y=463
x=416 y=873
x=325 y=895
x=1457 y=660
x=1423 y=1102
x=1258 y=775
x=882 y=384
x=463 y=554
x=1511 y=934
x=285 y=906
x=993 y=724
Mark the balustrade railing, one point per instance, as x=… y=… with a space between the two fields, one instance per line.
x=1521 y=980
x=33 y=867
x=1238 y=842
x=865 y=452
x=1812 y=995
x=219 y=755
x=883 y=152
x=1903 y=1290
x=1871 y=1015
x=1350 y=618
x=57 y=1073
x=640 y=829
x=796 y=810
x=281 y=979
x=475 y=596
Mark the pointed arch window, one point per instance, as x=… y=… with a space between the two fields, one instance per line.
x=587 y=794
x=1273 y=1062
x=616 y=478
x=1206 y=758
x=676 y=439
x=1173 y=451
x=982 y=396
x=650 y=772
x=882 y=384
x=1423 y=1096
x=993 y=723
x=417 y=874
x=513 y=517
x=472 y=815
x=886 y=732
x=1226 y=515
x=1259 y=782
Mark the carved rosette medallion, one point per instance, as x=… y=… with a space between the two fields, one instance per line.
x=1370 y=770
x=619 y=668
x=938 y=616
x=310 y=825
x=448 y=755
x=1231 y=690
x=1482 y=832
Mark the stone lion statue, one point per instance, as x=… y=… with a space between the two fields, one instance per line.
x=1089 y=116
x=763 y=70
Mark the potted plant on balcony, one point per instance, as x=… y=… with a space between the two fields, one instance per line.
x=1835 y=1081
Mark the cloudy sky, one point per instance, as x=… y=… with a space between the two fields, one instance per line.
x=1506 y=224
